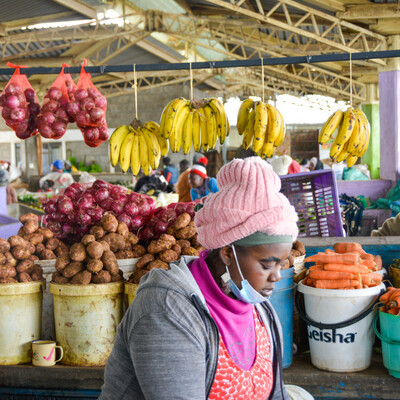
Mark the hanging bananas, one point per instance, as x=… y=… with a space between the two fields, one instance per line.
x=262 y=127
x=352 y=139
x=138 y=146
x=202 y=123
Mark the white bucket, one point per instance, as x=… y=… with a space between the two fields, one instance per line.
x=346 y=349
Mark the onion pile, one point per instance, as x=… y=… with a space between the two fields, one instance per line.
x=71 y=214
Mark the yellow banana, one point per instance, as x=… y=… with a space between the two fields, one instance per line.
x=196 y=131
x=203 y=130
x=330 y=126
x=144 y=155
x=346 y=127
x=365 y=143
x=135 y=159
x=172 y=116
x=243 y=115
x=126 y=151
x=187 y=133
x=282 y=132
x=175 y=140
x=221 y=118
x=351 y=160
x=274 y=124
x=356 y=136
x=153 y=148
x=152 y=127
x=116 y=141
x=268 y=149
x=260 y=125
x=164 y=145
x=344 y=153
x=164 y=114
x=211 y=123
x=249 y=131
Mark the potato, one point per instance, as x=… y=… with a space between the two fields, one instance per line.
x=295 y=253
x=128 y=246
x=63 y=247
x=105 y=245
x=95 y=250
x=46 y=232
x=52 y=243
x=39 y=248
x=82 y=278
x=31 y=247
x=168 y=238
x=157 y=264
x=8 y=280
x=297 y=245
x=123 y=254
x=135 y=277
x=30 y=226
x=177 y=249
x=116 y=278
x=24 y=277
x=58 y=278
x=25 y=266
x=37 y=273
x=285 y=264
x=33 y=258
x=10 y=259
x=138 y=251
x=21 y=232
x=62 y=262
x=171 y=230
x=132 y=238
x=4 y=245
x=110 y=262
x=109 y=222
x=186 y=233
x=60 y=250
x=291 y=260
x=183 y=243
x=168 y=256
x=192 y=224
x=190 y=251
x=182 y=221
x=97 y=231
x=27 y=217
x=17 y=241
x=195 y=241
x=72 y=269
x=123 y=229
x=7 y=271
x=20 y=252
x=157 y=246
x=200 y=249
x=115 y=241
x=34 y=238
x=87 y=239
x=143 y=261
x=112 y=268
x=94 y=266
x=77 y=252
x=47 y=254
x=101 y=277
x=3 y=259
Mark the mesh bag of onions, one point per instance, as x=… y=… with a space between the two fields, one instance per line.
x=19 y=104
x=89 y=110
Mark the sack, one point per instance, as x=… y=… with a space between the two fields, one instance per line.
x=19 y=104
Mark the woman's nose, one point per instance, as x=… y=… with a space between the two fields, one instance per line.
x=275 y=275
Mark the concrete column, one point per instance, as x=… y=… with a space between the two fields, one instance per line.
x=31 y=161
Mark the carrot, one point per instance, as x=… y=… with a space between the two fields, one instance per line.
x=329 y=251
x=371 y=278
x=367 y=256
x=316 y=268
x=393 y=294
x=395 y=302
x=347 y=247
x=315 y=274
x=378 y=262
x=349 y=288
x=360 y=283
x=354 y=269
x=346 y=258
x=385 y=297
x=368 y=263
x=335 y=283
x=394 y=311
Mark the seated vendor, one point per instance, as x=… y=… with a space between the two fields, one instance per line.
x=391 y=227
x=201 y=184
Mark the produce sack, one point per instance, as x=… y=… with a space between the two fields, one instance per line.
x=19 y=104
x=89 y=110
x=53 y=118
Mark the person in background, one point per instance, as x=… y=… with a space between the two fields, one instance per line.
x=315 y=164
x=201 y=184
x=294 y=167
x=391 y=227
x=183 y=185
x=11 y=194
x=58 y=166
x=304 y=165
x=47 y=186
x=170 y=171
x=204 y=328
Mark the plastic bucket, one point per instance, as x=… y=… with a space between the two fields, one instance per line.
x=21 y=308
x=339 y=325
x=282 y=301
x=130 y=291
x=395 y=275
x=390 y=337
x=86 y=320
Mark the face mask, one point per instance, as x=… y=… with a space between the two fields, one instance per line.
x=247 y=293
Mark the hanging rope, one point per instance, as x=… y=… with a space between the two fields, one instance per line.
x=351 y=82
x=262 y=78
x=135 y=87
x=191 y=81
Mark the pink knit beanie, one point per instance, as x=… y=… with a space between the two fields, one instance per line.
x=248 y=201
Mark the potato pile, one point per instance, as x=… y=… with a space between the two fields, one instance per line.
x=180 y=239
x=298 y=250
x=94 y=259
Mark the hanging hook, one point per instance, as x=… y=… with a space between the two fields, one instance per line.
x=309 y=58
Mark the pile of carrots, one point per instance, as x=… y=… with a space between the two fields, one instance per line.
x=347 y=266
x=391 y=301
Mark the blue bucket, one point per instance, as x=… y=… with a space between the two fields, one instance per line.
x=282 y=301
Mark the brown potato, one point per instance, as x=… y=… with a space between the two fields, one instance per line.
x=295 y=253
x=132 y=238
x=183 y=243
x=82 y=278
x=136 y=275
x=17 y=241
x=138 y=251
x=32 y=257
x=25 y=266
x=39 y=248
x=110 y=262
x=123 y=229
x=186 y=233
x=192 y=224
x=190 y=251
x=37 y=273
x=10 y=259
x=168 y=256
x=200 y=249
x=63 y=246
x=157 y=264
x=30 y=226
x=52 y=243
x=144 y=260
x=105 y=245
x=291 y=260
x=168 y=238
x=60 y=250
x=47 y=254
x=285 y=264
x=128 y=246
x=115 y=241
x=72 y=269
x=97 y=231
x=77 y=252
x=101 y=277
x=3 y=259
x=7 y=271
x=171 y=230
x=58 y=278
x=20 y=252
x=31 y=247
x=195 y=241
x=46 y=232
x=182 y=221
x=123 y=254
x=24 y=277
x=116 y=278
x=112 y=268
x=177 y=249
x=109 y=222
x=157 y=246
x=94 y=266
x=95 y=250
x=62 y=262
x=297 y=245
x=87 y=239
x=27 y=217
x=4 y=245
x=34 y=238
x=8 y=280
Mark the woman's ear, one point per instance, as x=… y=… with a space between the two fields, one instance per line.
x=225 y=254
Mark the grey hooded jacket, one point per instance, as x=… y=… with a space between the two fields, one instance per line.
x=167 y=343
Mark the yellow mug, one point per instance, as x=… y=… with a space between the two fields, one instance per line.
x=44 y=353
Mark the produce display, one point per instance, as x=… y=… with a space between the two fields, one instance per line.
x=348 y=266
x=200 y=122
x=391 y=301
x=298 y=250
x=138 y=146
x=352 y=139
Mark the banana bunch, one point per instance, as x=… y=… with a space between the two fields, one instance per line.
x=262 y=127
x=136 y=145
x=200 y=122
x=352 y=139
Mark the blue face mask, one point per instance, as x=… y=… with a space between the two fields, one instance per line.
x=247 y=293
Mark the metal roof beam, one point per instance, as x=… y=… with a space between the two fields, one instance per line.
x=79 y=7
x=373 y=11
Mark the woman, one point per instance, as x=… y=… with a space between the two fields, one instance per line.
x=170 y=171
x=315 y=164
x=201 y=184
x=204 y=329
x=183 y=185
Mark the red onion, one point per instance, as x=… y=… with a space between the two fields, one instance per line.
x=54 y=226
x=5 y=113
x=81 y=94
x=18 y=114
x=93 y=92
x=3 y=100
x=96 y=213
x=34 y=108
x=101 y=102
x=125 y=218
x=12 y=102
x=131 y=209
x=48 y=118
x=77 y=187
x=67 y=228
x=101 y=194
x=160 y=227
x=168 y=216
x=30 y=95
x=116 y=191
x=96 y=114
x=146 y=234
x=73 y=108
x=82 y=230
x=65 y=205
x=21 y=128
x=104 y=132
x=121 y=199
x=137 y=222
x=62 y=114
x=59 y=128
x=85 y=202
x=45 y=130
x=54 y=93
x=51 y=106
x=117 y=208
x=12 y=88
x=180 y=208
x=84 y=218
x=107 y=204
x=86 y=104
x=82 y=118
x=100 y=184
x=91 y=133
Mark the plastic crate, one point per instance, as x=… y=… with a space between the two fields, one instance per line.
x=8 y=226
x=315 y=197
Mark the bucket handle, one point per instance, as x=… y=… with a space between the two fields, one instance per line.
x=339 y=325
x=380 y=336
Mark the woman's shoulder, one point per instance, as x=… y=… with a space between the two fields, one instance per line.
x=212 y=184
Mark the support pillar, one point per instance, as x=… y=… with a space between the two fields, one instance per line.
x=31 y=160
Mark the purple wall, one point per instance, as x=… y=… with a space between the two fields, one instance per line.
x=374 y=188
